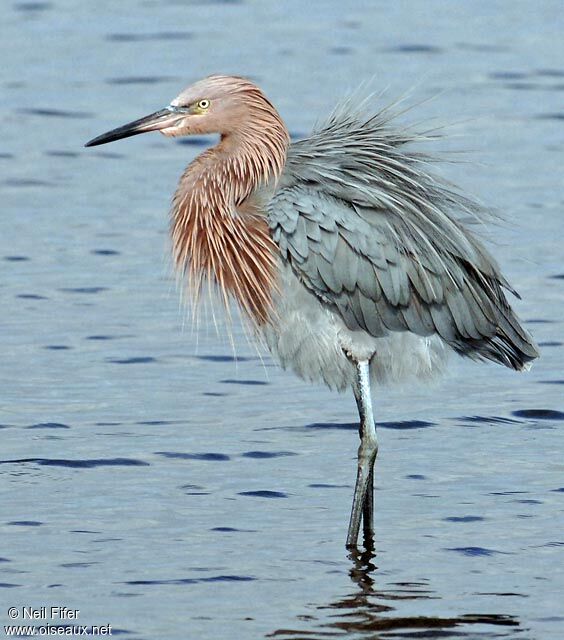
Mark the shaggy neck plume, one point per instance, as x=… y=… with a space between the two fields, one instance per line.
x=219 y=230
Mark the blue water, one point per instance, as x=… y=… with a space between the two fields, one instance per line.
x=161 y=482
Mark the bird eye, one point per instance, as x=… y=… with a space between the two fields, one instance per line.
x=204 y=104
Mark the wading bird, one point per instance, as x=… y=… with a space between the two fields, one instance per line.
x=343 y=250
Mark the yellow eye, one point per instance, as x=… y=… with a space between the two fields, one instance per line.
x=204 y=104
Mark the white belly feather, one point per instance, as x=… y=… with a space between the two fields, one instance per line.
x=311 y=339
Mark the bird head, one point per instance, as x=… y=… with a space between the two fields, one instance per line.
x=217 y=104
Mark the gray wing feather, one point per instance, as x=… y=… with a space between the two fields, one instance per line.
x=299 y=246
x=379 y=240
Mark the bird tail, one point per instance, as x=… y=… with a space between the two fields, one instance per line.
x=512 y=345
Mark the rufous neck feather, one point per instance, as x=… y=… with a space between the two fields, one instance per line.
x=219 y=231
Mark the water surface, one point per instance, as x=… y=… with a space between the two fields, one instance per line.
x=160 y=482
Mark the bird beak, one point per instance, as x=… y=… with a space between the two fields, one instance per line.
x=162 y=119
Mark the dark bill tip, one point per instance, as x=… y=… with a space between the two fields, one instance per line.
x=111 y=136
x=153 y=122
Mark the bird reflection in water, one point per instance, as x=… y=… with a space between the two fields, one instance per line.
x=373 y=613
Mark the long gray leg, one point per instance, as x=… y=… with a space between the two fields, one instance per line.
x=368 y=506
x=368 y=512
x=363 y=491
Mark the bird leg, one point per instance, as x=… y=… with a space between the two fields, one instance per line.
x=363 y=501
x=368 y=512
x=368 y=505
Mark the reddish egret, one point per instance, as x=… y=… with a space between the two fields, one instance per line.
x=342 y=249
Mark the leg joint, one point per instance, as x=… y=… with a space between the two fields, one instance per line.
x=368 y=448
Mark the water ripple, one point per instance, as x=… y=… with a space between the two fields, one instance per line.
x=406 y=424
x=80 y=464
x=247 y=382
x=263 y=455
x=140 y=79
x=32 y=6
x=415 y=48
x=263 y=494
x=475 y=551
x=488 y=420
x=48 y=425
x=133 y=360
x=222 y=358
x=143 y=37
x=87 y=290
x=209 y=457
x=539 y=414
x=185 y=581
x=56 y=113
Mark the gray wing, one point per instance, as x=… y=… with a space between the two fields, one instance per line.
x=370 y=234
